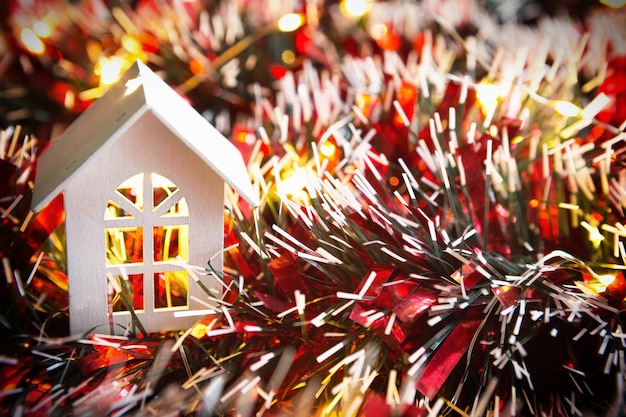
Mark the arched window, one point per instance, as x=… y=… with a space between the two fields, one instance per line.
x=147 y=225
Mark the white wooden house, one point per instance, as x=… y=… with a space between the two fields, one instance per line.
x=143 y=180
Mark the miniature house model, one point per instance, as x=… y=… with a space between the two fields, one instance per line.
x=143 y=179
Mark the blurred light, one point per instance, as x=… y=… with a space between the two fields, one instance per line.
x=131 y=44
x=290 y=22
x=567 y=109
x=196 y=67
x=379 y=31
x=288 y=57
x=294 y=186
x=614 y=3
x=69 y=100
x=394 y=181
x=109 y=69
x=487 y=94
x=328 y=149
x=31 y=41
x=42 y=29
x=246 y=137
x=355 y=8
x=364 y=103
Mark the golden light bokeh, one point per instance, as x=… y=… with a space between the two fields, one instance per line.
x=355 y=8
x=31 y=41
x=290 y=22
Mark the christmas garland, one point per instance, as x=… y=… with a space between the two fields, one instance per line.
x=441 y=219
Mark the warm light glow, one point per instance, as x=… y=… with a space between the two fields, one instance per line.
x=131 y=44
x=31 y=41
x=109 y=69
x=69 y=100
x=294 y=186
x=614 y=3
x=196 y=67
x=487 y=94
x=328 y=149
x=288 y=56
x=246 y=137
x=355 y=8
x=42 y=29
x=567 y=109
x=364 y=103
x=379 y=31
x=290 y=22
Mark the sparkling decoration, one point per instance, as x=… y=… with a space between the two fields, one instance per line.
x=441 y=229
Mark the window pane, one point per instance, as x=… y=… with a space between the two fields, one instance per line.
x=171 y=289
x=178 y=209
x=124 y=245
x=132 y=190
x=162 y=189
x=115 y=211
x=128 y=292
x=171 y=242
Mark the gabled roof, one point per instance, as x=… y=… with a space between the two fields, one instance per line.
x=138 y=91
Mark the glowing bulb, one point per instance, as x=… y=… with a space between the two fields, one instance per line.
x=355 y=8
x=487 y=93
x=109 y=69
x=131 y=44
x=328 y=149
x=31 y=41
x=42 y=29
x=290 y=22
x=288 y=57
x=294 y=186
x=379 y=31
x=567 y=109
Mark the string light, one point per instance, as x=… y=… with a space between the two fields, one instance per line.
x=290 y=22
x=487 y=94
x=293 y=186
x=379 y=31
x=355 y=8
x=42 y=29
x=109 y=69
x=328 y=149
x=131 y=44
x=31 y=41
x=288 y=57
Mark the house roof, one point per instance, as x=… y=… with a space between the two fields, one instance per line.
x=138 y=91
